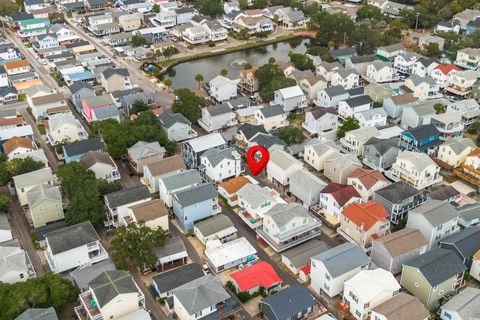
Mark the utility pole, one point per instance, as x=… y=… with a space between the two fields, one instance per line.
x=416 y=20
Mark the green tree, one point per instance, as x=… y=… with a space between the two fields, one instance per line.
x=8 y=7
x=56 y=17
x=270 y=78
x=432 y=50
x=139 y=106
x=323 y=52
x=244 y=296
x=367 y=12
x=138 y=41
x=349 y=124
x=5 y=202
x=17 y=166
x=168 y=83
x=156 y=8
x=259 y=4
x=290 y=135
x=211 y=8
x=48 y=290
x=224 y=72
x=474 y=128
x=440 y=108
x=244 y=34
x=69 y=13
x=199 y=78
x=247 y=66
x=135 y=243
x=301 y=61
x=188 y=104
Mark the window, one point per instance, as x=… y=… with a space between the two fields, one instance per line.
x=366 y=305
x=358 y=313
x=417 y=285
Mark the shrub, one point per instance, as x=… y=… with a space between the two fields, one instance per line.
x=211 y=44
x=244 y=296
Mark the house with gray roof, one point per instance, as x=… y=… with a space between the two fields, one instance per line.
x=112 y=294
x=469 y=215
x=331 y=96
x=171 y=254
x=463 y=306
x=73 y=246
x=306 y=187
x=118 y=202
x=299 y=257
x=15 y=265
x=271 y=117
x=195 y=204
x=128 y=101
x=217 y=117
x=464 y=243
x=202 y=297
x=143 y=153
x=294 y=302
x=287 y=225
x=82 y=277
x=38 y=314
x=116 y=79
x=433 y=276
x=175 y=181
x=330 y=269
x=5 y=229
x=176 y=126
x=247 y=131
x=436 y=220
x=74 y=151
x=269 y=142
x=218 y=165
x=165 y=283
x=218 y=227
x=78 y=91
x=45 y=204
x=26 y=182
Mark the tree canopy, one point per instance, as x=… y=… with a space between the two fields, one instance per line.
x=301 y=61
x=188 y=104
x=367 y=12
x=5 y=202
x=211 y=8
x=139 y=106
x=135 y=243
x=138 y=41
x=17 y=166
x=349 y=124
x=85 y=193
x=270 y=78
x=48 y=290
x=290 y=135
x=8 y=7
x=119 y=136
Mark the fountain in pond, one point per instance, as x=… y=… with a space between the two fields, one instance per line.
x=238 y=63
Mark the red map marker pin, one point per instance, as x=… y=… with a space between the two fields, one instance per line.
x=257 y=166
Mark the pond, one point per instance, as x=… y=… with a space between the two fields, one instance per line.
x=184 y=73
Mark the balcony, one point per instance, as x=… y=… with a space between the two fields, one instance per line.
x=88 y=309
x=458 y=90
x=284 y=241
x=468 y=174
x=251 y=221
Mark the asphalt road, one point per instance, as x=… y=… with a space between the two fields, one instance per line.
x=137 y=76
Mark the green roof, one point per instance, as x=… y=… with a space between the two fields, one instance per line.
x=31 y=21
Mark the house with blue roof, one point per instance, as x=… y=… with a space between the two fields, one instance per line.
x=84 y=76
x=425 y=138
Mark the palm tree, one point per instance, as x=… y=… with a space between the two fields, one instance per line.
x=168 y=83
x=224 y=72
x=199 y=79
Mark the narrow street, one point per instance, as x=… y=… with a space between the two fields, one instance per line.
x=21 y=229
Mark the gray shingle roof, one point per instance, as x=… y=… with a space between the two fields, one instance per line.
x=465 y=303
x=110 y=72
x=106 y=112
x=343 y=52
x=71 y=237
x=436 y=212
x=172 y=245
x=195 y=194
x=437 y=265
x=214 y=224
x=110 y=284
x=77 y=86
x=444 y=193
x=282 y=213
x=83 y=277
x=126 y=196
x=249 y=130
x=201 y=293
x=300 y=255
x=218 y=109
x=343 y=258
x=83 y=146
x=38 y=314
x=169 y=119
x=423 y=132
x=267 y=141
x=335 y=91
x=290 y=301
x=466 y=242
x=359 y=101
x=398 y=192
x=173 y=279
x=181 y=179
x=469 y=212
x=215 y=155
x=271 y=111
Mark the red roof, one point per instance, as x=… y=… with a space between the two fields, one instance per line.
x=306 y=269
x=260 y=274
x=446 y=69
x=368 y=177
x=340 y=192
x=366 y=214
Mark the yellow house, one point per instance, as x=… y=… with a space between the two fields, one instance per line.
x=45 y=204
x=129 y=22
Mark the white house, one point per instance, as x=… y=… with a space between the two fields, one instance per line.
x=291 y=98
x=374 y=118
x=306 y=187
x=176 y=126
x=404 y=62
x=379 y=72
x=331 y=96
x=271 y=117
x=254 y=201
x=16 y=264
x=102 y=165
x=319 y=120
x=152 y=172
x=5 y=229
x=355 y=139
x=282 y=166
x=317 y=151
x=73 y=246
x=468 y=58
x=461 y=83
x=217 y=117
x=436 y=220
x=175 y=181
x=463 y=306
x=454 y=151
x=327 y=69
x=118 y=202
x=335 y=197
x=424 y=67
x=348 y=79
x=416 y=169
x=349 y=107
x=65 y=127
x=330 y=269
x=222 y=88
x=423 y=88
x=441 y=73
x=366 y=182
x=230 y=254
x=368 y=289
x=220 y=164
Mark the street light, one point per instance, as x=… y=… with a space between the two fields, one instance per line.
x=416 y=20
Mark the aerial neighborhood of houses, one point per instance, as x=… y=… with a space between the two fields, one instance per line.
x=125 y=191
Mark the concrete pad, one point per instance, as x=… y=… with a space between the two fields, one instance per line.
x=462 y=187
x=251 y=306
x=197 y=245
